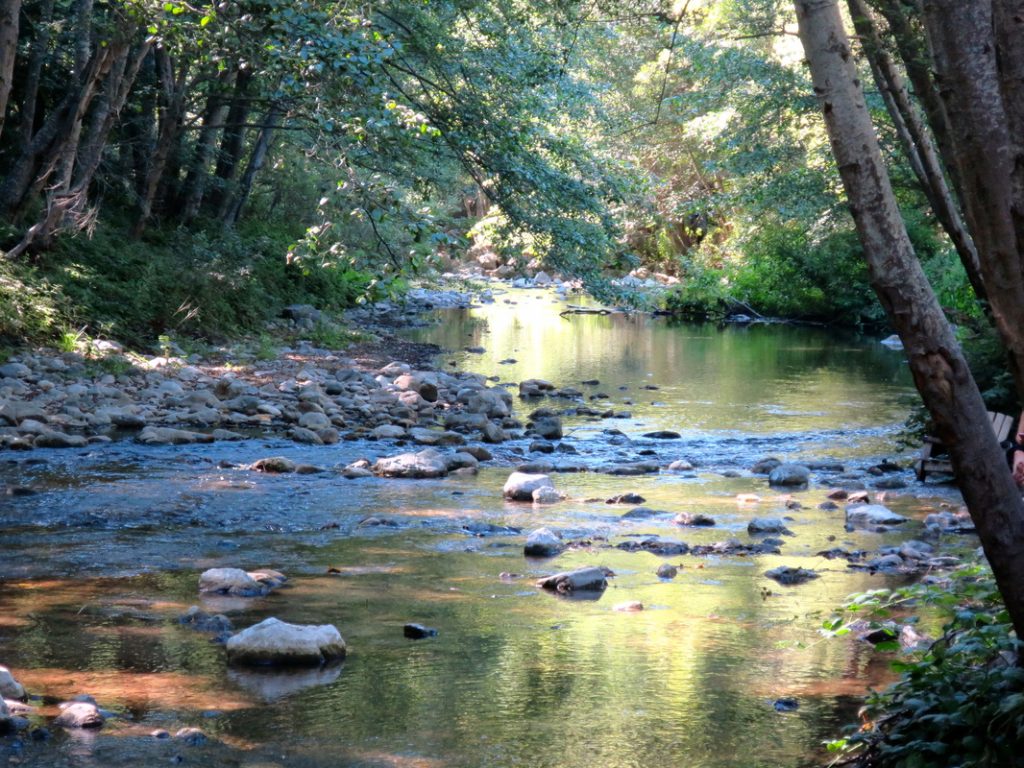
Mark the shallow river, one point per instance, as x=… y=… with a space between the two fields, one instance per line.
x=97 y=566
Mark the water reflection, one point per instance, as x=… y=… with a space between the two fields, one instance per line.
x=515 y=677
x=762 y=379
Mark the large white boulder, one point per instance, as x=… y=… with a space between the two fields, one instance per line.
x=274 y=642
x=521 y=485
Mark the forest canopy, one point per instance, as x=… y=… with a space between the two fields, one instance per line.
x=374 y=141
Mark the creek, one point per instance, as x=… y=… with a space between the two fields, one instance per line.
x=102 y=558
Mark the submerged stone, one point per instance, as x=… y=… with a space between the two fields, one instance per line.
x=418 y=631
x=543 y=542
x=788 y=576
x=79 y=714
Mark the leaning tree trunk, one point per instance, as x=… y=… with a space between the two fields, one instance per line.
x=35 y=165
x=913 y=52
x=9 y=12
x=918 y=144
x=255 y=164
x=938 y=366
x=967 y=71
x=118 y=88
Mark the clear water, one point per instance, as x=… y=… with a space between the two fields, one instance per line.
x=99 y=563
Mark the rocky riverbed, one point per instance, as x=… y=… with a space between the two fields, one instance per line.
x=353 y=468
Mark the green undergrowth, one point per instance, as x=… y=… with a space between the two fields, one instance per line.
x=960 y=701
x=206 y=284
x=785 y=270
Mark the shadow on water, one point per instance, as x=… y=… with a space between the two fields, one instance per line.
x=100 y=561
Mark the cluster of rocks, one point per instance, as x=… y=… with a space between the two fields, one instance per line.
x=61 y=400
x=78 y=712
x=271 y=642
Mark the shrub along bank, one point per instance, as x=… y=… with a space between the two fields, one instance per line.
x=207 y=284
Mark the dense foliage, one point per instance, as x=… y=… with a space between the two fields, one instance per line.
x=958 y=702
x=370 y=138
x=356 y=132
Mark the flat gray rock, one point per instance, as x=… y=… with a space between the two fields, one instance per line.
x=424 y=464
x=872 y=514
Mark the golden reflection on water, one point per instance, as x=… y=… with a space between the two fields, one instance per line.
x=115 y=688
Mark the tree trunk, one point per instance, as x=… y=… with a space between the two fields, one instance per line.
x=1009 y=18
x=30 y=172
x=33 y=76
x=230 y=154
x=913 y=52
x=213 y=123
x=83 y=35
x=918 y=144
x=118 y=88
x=256 y=161
x=10 y=10
x=966 y=69
x=938 y=366
x=171 y=114
x=140 y=126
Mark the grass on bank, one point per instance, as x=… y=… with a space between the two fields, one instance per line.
x=210 y=285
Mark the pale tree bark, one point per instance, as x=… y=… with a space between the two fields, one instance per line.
x=962 y=41
x=10 y=10
x=936 y=362
x=918 y=143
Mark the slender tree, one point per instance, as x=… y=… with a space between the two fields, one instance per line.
x=10 y=10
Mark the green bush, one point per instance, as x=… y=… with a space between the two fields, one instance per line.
x=785 y=272
x=960 y=702
x=211 y=284
x=700 y=295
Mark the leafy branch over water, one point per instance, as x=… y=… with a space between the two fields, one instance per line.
x=958 y=702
